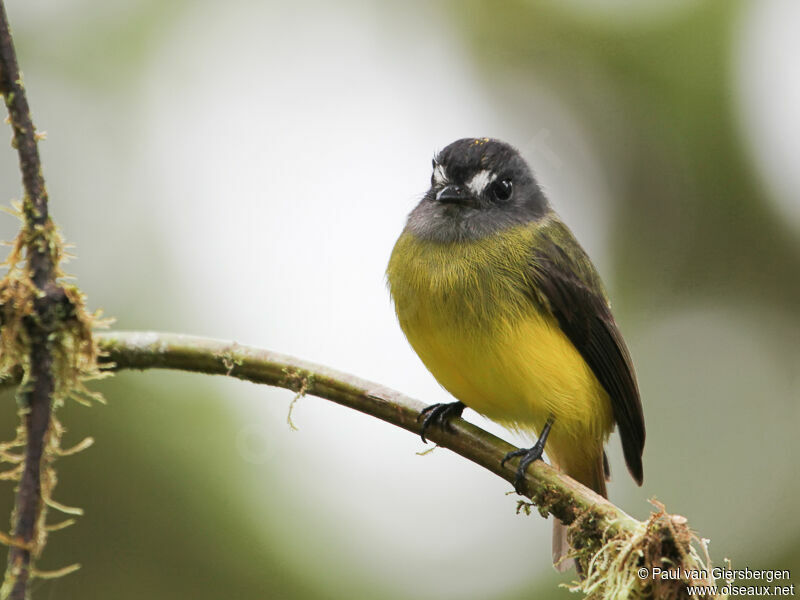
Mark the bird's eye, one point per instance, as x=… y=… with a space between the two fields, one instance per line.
x=501 y=190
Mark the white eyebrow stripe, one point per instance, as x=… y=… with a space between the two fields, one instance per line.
x=480 y=180
x=439 y=175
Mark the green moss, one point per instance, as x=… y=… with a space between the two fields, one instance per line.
x=613 y=564
x=67 y=327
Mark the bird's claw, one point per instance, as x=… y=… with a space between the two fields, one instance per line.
x=439 y=414
x=528 y=455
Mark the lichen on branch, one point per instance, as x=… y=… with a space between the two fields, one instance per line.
x=45 y=341
x=68 y=321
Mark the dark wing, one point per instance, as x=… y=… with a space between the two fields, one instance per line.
x=571 y=289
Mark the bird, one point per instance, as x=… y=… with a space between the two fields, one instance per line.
x=506 y=310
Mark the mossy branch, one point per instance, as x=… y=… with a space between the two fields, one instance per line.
x=560 y=495
x=45 y=340
x=609 y=544
x=42 y=263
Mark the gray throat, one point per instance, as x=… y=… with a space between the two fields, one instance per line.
x=446 y=223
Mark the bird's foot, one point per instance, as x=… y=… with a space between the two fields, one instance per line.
x=439 y=414
x=528 y=456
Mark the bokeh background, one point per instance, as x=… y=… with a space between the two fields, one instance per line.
x=242 y=169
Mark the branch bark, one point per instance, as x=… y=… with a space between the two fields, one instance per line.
x=42 y=265
x=612 y=548
x=552 y=491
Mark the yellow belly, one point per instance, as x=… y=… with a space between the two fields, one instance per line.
x=518 y=374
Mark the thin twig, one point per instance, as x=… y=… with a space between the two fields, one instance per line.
x=42 y=266
x=552 y=491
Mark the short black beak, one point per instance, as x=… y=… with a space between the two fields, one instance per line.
x=452 y=194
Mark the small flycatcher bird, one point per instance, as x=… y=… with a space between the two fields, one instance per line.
x=508 y=313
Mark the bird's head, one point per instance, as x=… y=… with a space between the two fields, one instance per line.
x=479 y=186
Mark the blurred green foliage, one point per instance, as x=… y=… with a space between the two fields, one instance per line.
x=691 y=222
